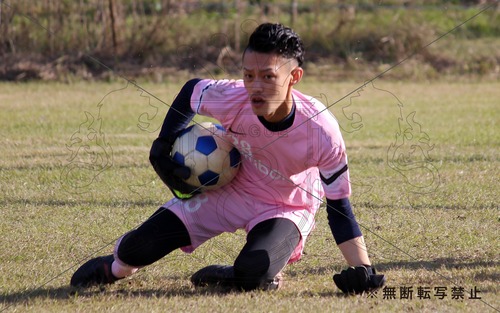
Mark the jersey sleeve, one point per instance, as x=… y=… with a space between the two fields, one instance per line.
x=333 y=167
x=219 y=99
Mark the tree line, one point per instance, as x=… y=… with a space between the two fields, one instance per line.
x=135 y=32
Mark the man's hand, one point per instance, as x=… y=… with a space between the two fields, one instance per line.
x=359 y=279
x=170 y=172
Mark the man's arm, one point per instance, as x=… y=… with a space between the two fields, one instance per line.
x=180 y=113
x=354 y=251
x=343 y=225
x=360 y=276
x=178 y=117
x=346 y=232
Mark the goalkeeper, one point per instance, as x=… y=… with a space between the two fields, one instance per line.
x=293 y=155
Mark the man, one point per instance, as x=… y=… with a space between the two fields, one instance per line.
x=293 y=155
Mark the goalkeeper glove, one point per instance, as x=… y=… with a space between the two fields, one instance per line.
x=359 y=279
x=171 y=173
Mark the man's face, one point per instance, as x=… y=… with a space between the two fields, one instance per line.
x=268 y=80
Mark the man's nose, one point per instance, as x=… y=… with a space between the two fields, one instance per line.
x=257 y=86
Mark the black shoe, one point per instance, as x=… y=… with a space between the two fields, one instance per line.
x=94 y=272
x=214 y=275
x=223 y=276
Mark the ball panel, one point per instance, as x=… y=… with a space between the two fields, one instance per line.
x=178 y=157
x=234 y=158
x=217 y=161
x=206 y=144
x=184 y=144
x=208 y=178
x=198 y=164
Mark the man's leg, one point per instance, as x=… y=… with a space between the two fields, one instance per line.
x=267 y=250
x=162 y=233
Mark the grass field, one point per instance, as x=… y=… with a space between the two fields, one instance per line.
x=425 y=169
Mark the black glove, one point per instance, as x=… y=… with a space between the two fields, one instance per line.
x=171 y=172
x=358 y=279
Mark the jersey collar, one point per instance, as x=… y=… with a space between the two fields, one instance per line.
x=281 y=125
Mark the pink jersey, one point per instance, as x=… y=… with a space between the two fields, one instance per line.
x=279 y=167
x=282 y=175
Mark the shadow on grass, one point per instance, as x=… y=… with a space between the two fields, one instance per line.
x=451 y=263
x=89 y=203
x=67 y=292
x=70 y=293
x=431 y=265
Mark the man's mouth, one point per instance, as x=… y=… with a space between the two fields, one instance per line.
x=257 y=101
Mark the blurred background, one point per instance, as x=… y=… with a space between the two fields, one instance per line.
x=157 y=40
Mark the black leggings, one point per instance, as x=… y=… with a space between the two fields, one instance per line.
x=267 y=250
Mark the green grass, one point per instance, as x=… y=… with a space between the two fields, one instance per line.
x=430 y=220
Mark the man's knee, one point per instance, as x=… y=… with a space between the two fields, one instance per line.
x=157 y=237
x=131 y=249
x=252 y=269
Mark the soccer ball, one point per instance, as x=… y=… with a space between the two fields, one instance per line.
x=209 y=153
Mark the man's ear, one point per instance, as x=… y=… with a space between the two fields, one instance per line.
x=296 y=74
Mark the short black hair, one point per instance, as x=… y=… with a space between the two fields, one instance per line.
x=279 y=39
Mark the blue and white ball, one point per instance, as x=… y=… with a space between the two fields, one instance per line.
x=209 y=153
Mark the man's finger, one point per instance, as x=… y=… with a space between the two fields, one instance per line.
x=182 y=172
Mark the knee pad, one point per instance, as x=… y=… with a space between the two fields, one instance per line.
x=120 y=268
x=158 y=236
x=251 y=269
x=129 y=250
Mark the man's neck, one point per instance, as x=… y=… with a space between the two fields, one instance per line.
x=282 y=124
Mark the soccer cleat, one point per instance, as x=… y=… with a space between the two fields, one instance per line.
x=214 y=275
x=94 y=272
x=223 y=276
